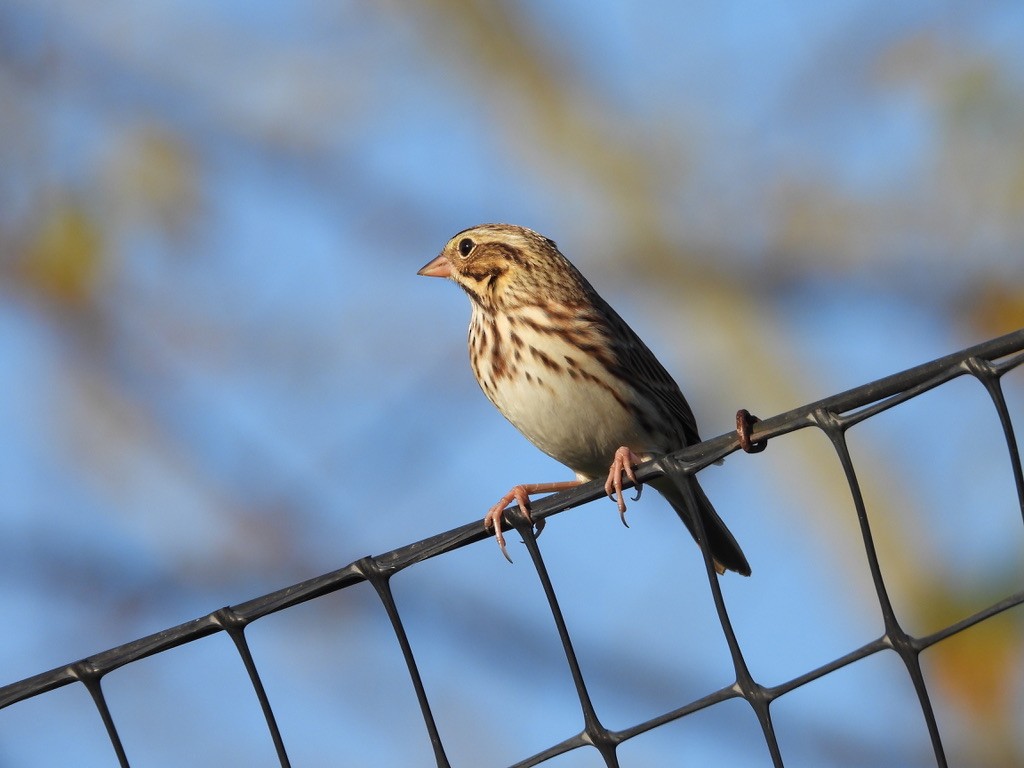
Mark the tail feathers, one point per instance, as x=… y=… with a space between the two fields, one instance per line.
x=724 y=549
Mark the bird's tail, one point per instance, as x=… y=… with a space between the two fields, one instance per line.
x=724 y=549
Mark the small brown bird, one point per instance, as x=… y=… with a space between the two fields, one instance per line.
x=566 y=370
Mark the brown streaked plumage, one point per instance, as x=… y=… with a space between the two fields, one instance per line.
x=569 y=373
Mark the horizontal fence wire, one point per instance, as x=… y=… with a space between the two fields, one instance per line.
x=986 y=362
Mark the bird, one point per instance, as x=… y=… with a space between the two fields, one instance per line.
x=571 y=375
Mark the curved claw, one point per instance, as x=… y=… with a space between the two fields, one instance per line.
x=493 y=520
x=495 y=515
x=501 y=546
x=622 y=464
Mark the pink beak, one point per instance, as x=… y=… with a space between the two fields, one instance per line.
x=439 y=267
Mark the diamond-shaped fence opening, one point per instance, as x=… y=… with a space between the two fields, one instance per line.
x=905 y=653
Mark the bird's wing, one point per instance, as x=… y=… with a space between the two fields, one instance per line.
x=657 y=392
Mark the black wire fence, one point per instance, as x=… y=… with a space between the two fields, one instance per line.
x=833 y=416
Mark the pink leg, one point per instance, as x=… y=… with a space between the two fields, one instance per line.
x=521 y=495
x=622 y=464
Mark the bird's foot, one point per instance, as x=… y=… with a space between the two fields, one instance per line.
x=495 y=514
x=622 y=464
x=521 y=495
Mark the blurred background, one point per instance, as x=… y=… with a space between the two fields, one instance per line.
x=220 y=373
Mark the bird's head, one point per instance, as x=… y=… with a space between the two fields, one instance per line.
x=503 y=264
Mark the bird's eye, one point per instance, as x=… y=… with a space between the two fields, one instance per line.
x=465 y=246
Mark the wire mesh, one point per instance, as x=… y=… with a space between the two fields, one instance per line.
x=833 y=416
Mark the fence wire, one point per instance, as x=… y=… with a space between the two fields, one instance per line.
x=986 y=362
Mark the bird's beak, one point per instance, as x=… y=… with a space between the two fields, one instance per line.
x=439 y=267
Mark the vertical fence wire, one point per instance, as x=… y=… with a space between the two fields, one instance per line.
x=894 y=637
x=234 y=625
x=381 y=581
x=92 y=684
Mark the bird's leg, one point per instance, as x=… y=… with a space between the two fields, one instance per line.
x=521 y=495
x=623 y=463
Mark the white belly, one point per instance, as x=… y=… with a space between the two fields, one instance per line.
x=576 y=421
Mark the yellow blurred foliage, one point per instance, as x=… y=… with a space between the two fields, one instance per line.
x=994 y=308
x=976 y=667
x=979 y=671
x=64 y=254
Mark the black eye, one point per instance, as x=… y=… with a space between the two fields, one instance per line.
x=465 y=246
